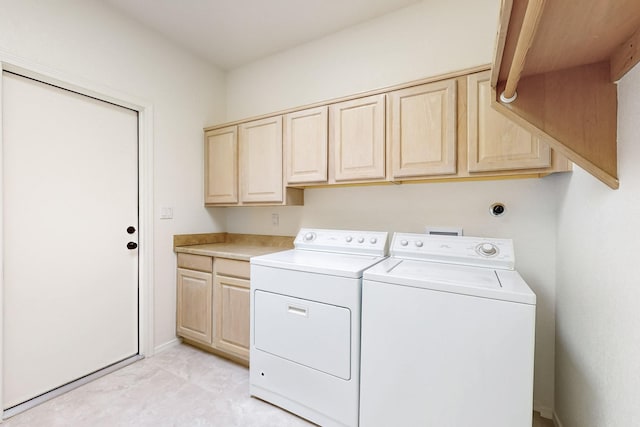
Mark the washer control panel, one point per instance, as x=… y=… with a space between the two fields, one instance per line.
x=464 y=250
x=347 y=241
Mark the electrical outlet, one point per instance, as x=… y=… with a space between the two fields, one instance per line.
x=275 y=219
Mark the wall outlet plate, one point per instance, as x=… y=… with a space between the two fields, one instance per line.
x=166 y=213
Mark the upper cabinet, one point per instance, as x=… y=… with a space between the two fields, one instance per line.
x=243 y=165
x=221 y=165
x=554 y=73
x=422 y=130
x=357 y=140
x=306 y=145
x=439 y=128
x=495 y=142
x=261 y=160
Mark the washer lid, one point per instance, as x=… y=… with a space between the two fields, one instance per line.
x=504 y=285
x=335 y=264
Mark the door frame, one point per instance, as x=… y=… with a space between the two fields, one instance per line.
x=144 y=108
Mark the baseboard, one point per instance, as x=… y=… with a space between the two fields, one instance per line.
x=166 y=346
x=545 y=411
x=556 y=420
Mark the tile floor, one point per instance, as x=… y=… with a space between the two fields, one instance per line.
x=179 y=387
x=538 y=421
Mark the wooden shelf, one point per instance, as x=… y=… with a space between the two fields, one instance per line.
x=563 y=59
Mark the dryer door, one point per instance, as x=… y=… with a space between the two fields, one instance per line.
x=310 y=333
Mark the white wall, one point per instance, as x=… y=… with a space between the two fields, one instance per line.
x=430 y=38
x=598 y=289
x=86 y=38
x=426 y=39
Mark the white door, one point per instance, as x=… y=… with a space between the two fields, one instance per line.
x=70 y=193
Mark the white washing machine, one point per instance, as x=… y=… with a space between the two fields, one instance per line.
x=305 y=323
x=447 y=335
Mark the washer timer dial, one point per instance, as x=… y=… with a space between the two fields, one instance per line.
x=487 y=249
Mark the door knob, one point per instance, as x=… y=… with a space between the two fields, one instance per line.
x=132 y=245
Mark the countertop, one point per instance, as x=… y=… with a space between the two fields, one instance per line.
x=242 y=252
x=233 y=246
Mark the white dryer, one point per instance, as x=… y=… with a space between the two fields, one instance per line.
x=447 y=335
x=305 y=323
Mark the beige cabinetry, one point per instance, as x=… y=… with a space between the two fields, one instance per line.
x=357 y=140
x=305 y=146
x=194 y=297
x=261 y=160
x=439 y=128
x=243 y=165
x=221 y=165
x=422 y=130
x=495 y=142
x=231 y=295
x=213 y=303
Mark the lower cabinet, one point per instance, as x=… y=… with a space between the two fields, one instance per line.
x=213 y=304
x=231 y=289
x=195 y=292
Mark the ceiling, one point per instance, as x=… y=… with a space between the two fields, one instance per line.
x=231 y=33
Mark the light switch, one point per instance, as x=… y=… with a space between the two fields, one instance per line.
x=166 y=213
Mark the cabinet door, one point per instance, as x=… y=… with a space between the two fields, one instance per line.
x=261 y=174
x=423 y=130
x=221 y=166
x=194 y=303
x=356 y=139
x=232 y=315
x=495 y=142
x=305 y=145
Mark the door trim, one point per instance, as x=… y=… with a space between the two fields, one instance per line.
x=144 y=108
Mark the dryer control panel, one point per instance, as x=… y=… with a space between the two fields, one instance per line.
x=345 y=241
x=463 y=250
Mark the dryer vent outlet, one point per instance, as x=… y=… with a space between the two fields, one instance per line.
x=497 y=209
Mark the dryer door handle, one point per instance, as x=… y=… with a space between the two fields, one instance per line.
x=297 y=310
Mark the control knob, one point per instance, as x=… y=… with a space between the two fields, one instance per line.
x=419 y=243
x=348 y=239
x=309 y=237
x=360 y=239
x=487 y=249
x=373 y=240
x=404 y=242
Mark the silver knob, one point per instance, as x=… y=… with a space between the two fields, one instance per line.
x=373 y=240
x=404 y=242
x=419 y=243
x=360 y=239
x=349 y=239
x=487 y=249
x=309 y=236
